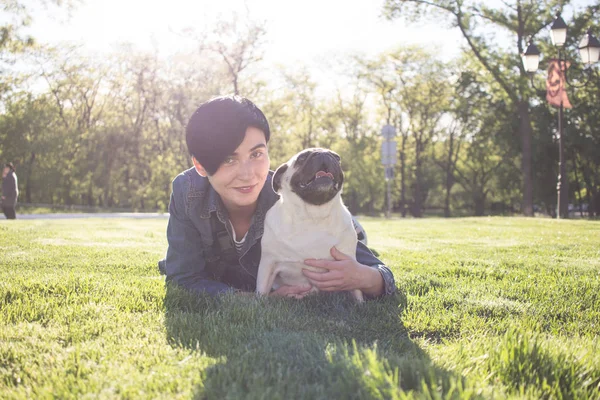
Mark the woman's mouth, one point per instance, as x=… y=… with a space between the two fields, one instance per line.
x=245 y=189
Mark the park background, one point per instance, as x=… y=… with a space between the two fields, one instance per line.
x=95 y=97
x=487 y=307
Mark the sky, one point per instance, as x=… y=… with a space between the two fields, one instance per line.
x=311 y=33
x=305 y=32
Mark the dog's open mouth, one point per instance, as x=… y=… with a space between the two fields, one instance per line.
x=319 y=175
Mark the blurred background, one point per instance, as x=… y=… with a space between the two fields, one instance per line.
x=95 y=96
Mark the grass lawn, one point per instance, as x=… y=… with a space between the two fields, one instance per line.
x=490 y=308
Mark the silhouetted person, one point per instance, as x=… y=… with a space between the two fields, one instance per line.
x=10 y=191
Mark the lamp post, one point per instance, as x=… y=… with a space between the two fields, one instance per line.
x=589 y=49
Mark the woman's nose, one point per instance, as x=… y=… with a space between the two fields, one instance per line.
x=245 y=170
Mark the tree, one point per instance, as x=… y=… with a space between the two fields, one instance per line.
x=451 y=140
x=358 y=144
x=28 y=137
x=420 y=95
x=583 y=141
x=522 y=19
x=74 y=84
x=487 y=153
x=16 y=16
x=237 y=42
x=381 y=73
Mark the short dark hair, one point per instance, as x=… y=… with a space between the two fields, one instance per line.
x=10 y=165
x=218 y=127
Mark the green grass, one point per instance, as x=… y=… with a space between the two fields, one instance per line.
x=24 y=208
x=489 y=308
x=21 y=209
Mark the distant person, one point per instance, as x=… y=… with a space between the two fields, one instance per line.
x=10 y=191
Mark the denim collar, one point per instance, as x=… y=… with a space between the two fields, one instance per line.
x=211 y=203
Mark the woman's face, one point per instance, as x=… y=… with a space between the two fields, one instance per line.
x=242 y=175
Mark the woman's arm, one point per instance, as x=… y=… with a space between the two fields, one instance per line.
x=184 y=263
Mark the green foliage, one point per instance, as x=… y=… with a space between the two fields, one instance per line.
x=110 y=132
x=413 y=94
x=481 y=24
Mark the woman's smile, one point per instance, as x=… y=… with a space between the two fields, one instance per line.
x=246 y=189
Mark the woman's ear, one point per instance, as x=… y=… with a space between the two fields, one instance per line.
x=199 y=168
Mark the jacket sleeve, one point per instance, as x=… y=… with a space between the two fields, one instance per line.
x=366 y=257
x=184 y=263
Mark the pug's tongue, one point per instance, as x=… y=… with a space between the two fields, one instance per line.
x=323 y=173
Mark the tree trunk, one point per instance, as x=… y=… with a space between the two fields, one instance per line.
x=449 y=176
x=106 y=195
x=526 y=162
x=590 y=192
x=90 y=194
x=403 y=177
x=479 y=204
x=67 y=194
x=29 y=173
x=594 y=205
x=577 y=184
x=234 y=80
x=417 y=196
x=352 y=203
x=447 y=201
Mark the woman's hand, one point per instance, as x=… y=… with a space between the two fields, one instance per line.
x=297 y=292
x=344 y=273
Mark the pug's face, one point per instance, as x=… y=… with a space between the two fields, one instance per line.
x=314 y=175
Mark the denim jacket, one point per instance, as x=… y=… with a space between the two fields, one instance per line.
x=190 y=235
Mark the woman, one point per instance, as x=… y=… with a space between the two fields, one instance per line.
x=10 y=191
x=217 y=211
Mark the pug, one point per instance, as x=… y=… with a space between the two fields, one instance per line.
x=306 y=222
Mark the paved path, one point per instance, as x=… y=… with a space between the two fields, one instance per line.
x=91 y=215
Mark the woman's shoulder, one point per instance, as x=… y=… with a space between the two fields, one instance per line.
x=190 y=180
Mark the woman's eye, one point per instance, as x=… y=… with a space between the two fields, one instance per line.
x=257 y=154
x=229 y=160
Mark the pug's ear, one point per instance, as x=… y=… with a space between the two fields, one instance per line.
x=278 y=177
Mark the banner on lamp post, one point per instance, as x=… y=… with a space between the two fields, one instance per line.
x=556 y=94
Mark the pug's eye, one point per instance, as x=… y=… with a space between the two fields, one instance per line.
x=302 y=157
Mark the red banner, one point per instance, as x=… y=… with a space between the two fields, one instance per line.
x=556 y=83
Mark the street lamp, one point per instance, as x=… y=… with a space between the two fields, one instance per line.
x=589 y=49
x=558 y=31
x=531 y=58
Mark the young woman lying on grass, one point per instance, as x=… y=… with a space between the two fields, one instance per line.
x=217 y=211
